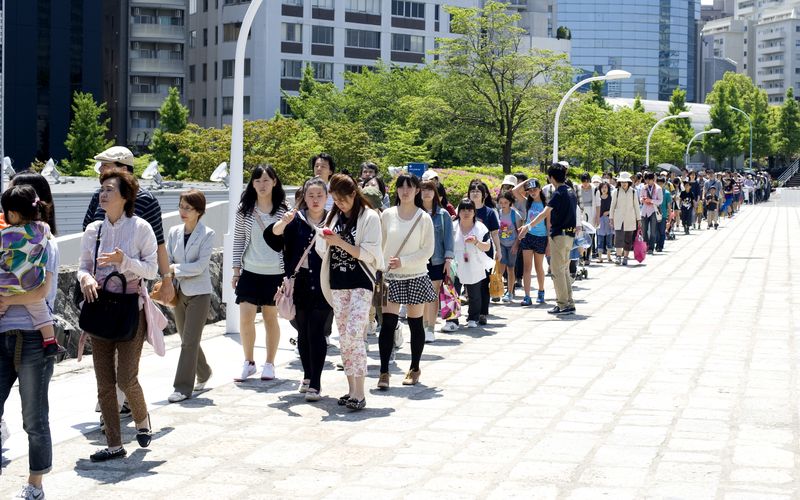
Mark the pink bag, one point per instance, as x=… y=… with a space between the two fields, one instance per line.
x=449 y=303
x=284 y=300
x=639 y=247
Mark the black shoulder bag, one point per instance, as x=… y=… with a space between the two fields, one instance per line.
x=113 y=317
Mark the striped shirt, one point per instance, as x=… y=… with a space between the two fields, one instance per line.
x=146 y=207
x=242 y=230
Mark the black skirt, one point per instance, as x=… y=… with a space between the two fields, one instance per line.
x=257 y=289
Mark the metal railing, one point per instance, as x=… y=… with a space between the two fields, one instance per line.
x=789 y=172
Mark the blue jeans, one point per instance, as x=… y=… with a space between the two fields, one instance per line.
x=34 y=371
x=662 y=234
x=650 y=230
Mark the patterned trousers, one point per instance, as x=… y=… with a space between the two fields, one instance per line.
x=351 y=310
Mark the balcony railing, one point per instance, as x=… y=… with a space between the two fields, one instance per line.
x=172 y=4
x=157 y=65
x=147 y=100
x=177 y=33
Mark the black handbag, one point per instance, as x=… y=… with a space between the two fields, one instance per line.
x=112 y=316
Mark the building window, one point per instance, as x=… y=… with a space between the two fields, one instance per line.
x=215 y=106
x=322 y=35
x=357 y=68
x=230 y=32
x=322 y=4
x=205 y=37
x=204 y=107
x=291 y=69
x=227 y=106
x=205 y=71
x=191 y=73
x=292 y=32
x=363 y=39
x=323 y=71
x=285 y=109
x=364 y=6
x=402 y=8
x=192 y=39
x=205 y=5
x=228 y=66
x=216 y=35
x=191 y=107
x=408 y=43
x=234 y=2
x=192 y=6
x=215 y=70
x=299 y=3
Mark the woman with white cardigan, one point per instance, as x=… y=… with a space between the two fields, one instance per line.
x=624 y=216
x=350 y=247
x=189 y=248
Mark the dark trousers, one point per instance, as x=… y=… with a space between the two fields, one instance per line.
x=33 y=370
x=476 y=299
x=191 y=313
x=662 y=234
x=484 y=283
x=650 y=230
x=311 y=342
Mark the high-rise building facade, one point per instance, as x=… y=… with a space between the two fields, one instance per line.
x=53 y=48
x=332 y=36
x=656 y=40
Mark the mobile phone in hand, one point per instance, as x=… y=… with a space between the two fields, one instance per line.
x=327 y=232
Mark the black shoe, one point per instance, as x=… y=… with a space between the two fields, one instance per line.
x=482 y=319
x=495 y=299
x=106 y=454
x=554 y=310
x=355 y=404
x=125 y=411
x=145 y=435
x=566 y=310
x=342 y=401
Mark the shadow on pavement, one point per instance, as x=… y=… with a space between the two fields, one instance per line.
x=287 y=402
x=573 y=317
x=119 y=470
x=440 y=342
x=196 y=402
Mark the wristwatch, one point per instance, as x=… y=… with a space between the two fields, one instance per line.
x=170 y=274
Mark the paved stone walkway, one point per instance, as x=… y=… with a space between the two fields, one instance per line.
x=678 y=379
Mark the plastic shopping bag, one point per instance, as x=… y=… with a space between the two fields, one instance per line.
x=449 y=304
x=639 y=247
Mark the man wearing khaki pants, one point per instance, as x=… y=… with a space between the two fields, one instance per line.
x=562 y=211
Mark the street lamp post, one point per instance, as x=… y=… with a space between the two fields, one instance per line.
x=711 y=131
x=614 y=74
x=236 y=168
x=682 y=114
x=750 y=123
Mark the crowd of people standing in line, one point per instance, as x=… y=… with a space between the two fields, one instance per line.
x=354 y=256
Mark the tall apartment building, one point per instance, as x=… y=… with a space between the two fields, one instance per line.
x=656 y=40
x=761 y=39
x=333 y=36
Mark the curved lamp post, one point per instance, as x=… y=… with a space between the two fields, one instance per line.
x=236 y=168
x=614 y=74
x=682 y=114
x=749 y=122
x=711 y=131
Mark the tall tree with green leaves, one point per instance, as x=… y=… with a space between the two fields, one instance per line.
x=787 y=134
x=682 y=128
x=87 y=132
x=756 y=105
x=726 y=144
x=487 y=67
x=173 y=117
x=637 y=104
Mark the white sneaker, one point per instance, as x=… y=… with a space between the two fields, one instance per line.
x=449 y=327
x=267 y=372
x=30 y=492
x=176 y=397
x=472 y=324
x=248 y=369
x=429 y=337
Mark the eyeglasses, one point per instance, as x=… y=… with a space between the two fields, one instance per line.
x=185 y=208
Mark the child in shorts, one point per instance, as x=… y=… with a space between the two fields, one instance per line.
x=510 y=221
x=712 y=208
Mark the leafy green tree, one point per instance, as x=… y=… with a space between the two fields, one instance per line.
x=307 y=82
x=757 y=106
x=348 y=143
x=726 y=144
x=637 y=104
x=173 y=117
x=682 y=128
x=596 y=94
x=486 y=65
x=402 y=146
x=586 y=135
x=87 y=132
x=788 y=129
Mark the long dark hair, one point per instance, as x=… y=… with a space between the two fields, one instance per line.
x=431 y=186
x=406 y=179
x=442 y=192
x=249 y=196
x=484 y=189
x=378 y=180
x=39 y=183
x=344 y=185
x=529 y=199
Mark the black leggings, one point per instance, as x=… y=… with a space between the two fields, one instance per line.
x=386 y=340
x=485 y=295
x=311 y=342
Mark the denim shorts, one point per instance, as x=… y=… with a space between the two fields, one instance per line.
x=507 y=257
x=538 y=244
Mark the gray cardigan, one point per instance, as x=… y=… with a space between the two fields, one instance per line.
x=191 y=263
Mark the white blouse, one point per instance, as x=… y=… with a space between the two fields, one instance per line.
x=134 y=237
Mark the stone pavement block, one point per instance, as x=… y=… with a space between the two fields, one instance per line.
x=763 y=456
x=627 y=477
x=308 y=483
x=543 y=471
x=596 y=492
x=681 y=490
x=282 y=452
x=762 y=475
x=625 y=456
x=755 y=495
x=522 y=490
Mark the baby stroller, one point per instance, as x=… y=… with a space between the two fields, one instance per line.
x=583 y=242
x=671 y=226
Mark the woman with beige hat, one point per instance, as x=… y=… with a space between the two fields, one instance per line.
x=624 y=216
